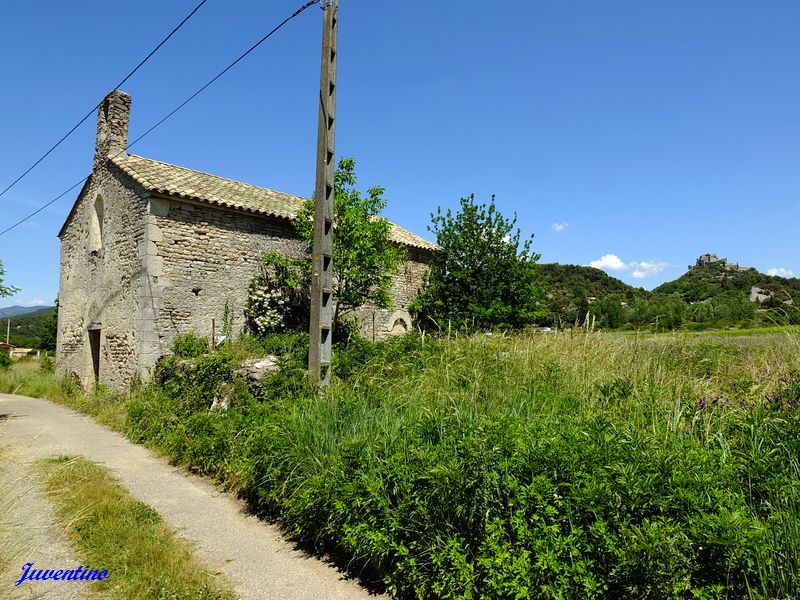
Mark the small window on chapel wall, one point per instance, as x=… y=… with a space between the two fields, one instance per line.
x=96 y=226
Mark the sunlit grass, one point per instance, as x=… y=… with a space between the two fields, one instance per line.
x=113 y=531
x=16 y=535
x=534 y=464
x=27 y=378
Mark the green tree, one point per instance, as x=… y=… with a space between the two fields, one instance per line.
x=365 y=258
x=6 y=290
x=480 y=278
x=609 y=311
x=49 y=333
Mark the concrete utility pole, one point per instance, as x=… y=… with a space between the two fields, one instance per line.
x=8 y=329
x=319 y=349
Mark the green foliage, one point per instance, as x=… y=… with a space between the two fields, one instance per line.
x=521 y=466
x=227 y=321
x=704 y=298
x=48 y=335
x=6 y=290
x=5 y=361
x=278 y=296
x=480 y=278
x=29 y=330
x=189 y=345
x=659 y=313
x=364 y=257
x=705 y=282
x=47 y=364
x=568 y=288
x=531 y=466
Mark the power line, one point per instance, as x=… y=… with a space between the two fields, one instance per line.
x=296 y=13
x=91 y=112
x=41 y=208
x=228 y=68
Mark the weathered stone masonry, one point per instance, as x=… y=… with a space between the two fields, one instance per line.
x=150 y=251
x=100 y=278
x=207 y=258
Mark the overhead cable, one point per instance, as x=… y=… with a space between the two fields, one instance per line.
x=94 y=108
x=173 y=111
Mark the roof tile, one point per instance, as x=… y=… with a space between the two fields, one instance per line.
x=164 y=178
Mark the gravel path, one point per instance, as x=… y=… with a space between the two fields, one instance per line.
x=254 y=556
x=32 y=525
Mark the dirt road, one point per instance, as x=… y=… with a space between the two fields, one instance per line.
x=254 y=556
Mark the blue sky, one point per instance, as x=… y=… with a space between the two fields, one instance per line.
x=635 y=135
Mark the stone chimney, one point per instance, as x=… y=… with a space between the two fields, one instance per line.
x=112 y=126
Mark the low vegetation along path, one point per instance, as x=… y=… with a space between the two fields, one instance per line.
x=253 y=554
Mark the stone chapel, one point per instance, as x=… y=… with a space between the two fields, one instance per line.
x=151 y=250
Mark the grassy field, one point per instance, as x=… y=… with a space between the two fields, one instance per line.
x=28 y=378
x=537 y=465
x=113 y=531
x=16 y=537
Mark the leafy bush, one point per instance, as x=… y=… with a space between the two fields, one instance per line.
x=278 y=296
x=190 y=345
x=519 y=467
x=480 y=278
x=5 y=360
x=47 y=364
x=365 y=258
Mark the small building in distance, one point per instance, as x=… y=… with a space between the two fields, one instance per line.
x=151 y=250
x=14 y=351
x=711 y=259
x=707 y=259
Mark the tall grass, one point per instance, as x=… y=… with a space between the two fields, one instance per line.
x=582 y=465
x=16 y=535
x=113 y=531
x=28 y=378
x=536 y=465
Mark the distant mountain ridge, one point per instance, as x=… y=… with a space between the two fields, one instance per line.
x=711 y=277
x=713 y=293
x=15 y=311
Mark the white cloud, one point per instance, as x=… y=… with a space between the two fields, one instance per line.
x=34 y=302
x=610 y=262
x=647 y=268
x=638 y=270
x=559 y=227
x=780 y=272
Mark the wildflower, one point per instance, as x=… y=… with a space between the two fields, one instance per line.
x=703 y=402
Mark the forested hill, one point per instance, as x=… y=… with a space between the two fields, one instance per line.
x=584 y=281
x=32 y=330
x=571 y=289
x=712 y=294
x=705 y=282
x=15 y=311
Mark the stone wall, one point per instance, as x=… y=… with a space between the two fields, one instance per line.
x=142 y=269
x=378 y=324
x=168 y=267
x=202 y=258
x=100 y=277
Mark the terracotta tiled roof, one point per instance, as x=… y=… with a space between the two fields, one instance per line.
x=164 y=178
